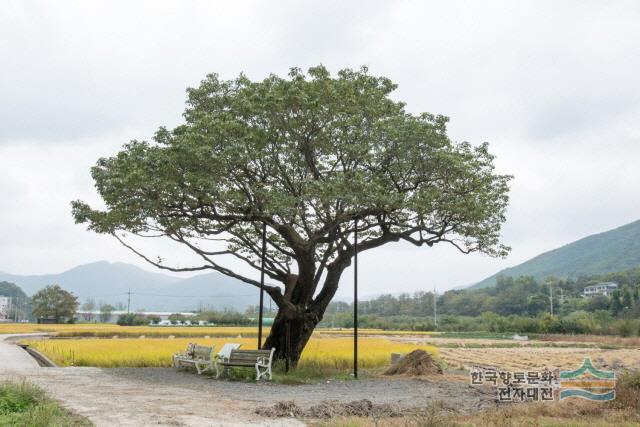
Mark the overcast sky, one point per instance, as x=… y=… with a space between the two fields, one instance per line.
x=554 y=87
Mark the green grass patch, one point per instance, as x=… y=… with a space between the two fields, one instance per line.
x=22 y=404
x=299 y=375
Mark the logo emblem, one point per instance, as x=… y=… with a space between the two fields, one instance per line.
x=588 y=383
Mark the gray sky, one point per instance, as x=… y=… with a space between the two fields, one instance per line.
x=553 y=86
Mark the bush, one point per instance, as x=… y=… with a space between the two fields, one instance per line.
x=132 y=319
x=628 y=391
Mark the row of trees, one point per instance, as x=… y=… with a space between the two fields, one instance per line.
x=52 y=304
x=19 y=307
x=524 y=296
x=515 y=304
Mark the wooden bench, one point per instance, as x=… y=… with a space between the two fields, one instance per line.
x=196 y=355
x=259 y=359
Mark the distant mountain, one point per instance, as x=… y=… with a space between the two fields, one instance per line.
x=611 y=251
x=109 y=282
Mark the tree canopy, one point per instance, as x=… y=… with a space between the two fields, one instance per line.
x=55 y=303
x=306 y=156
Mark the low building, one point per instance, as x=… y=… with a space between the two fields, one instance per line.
x=95 y=315
x=605 y=288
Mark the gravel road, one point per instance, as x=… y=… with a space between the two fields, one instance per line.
x=166 y=397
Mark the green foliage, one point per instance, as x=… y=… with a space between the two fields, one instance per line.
x=520 y=305
x=22 y=404
x=17 y=397
x=601 y=254
x=55 y=303
x=306 y=155
x=132 y=319
x=105 y=312
x=226 y=317
x=21 y=304
x=8 y=289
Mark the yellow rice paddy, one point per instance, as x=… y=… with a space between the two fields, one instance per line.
x=321 y=353
x=105 y=330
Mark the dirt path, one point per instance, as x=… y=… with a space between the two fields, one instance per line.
x=166 y=397
x=14 y=357
x=116 y=399
x=108 y=399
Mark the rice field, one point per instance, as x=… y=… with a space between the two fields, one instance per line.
x=107 y=330
x=320 y=353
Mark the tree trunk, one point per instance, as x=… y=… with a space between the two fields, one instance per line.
x=290 y=333
x=297 y=319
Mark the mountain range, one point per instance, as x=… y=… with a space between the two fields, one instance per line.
x=612 y=251
x=110 y=283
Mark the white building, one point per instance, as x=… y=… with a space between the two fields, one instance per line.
x=95 y=314
x=4 y=307
x=605 y=288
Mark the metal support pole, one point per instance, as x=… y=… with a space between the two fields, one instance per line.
x=355 y=301
x=264 y=250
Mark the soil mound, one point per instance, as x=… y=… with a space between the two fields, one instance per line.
x=416 y=363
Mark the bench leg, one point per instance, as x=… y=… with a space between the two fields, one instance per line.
x=265 y=373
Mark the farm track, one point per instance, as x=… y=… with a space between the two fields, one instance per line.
x=167 y=397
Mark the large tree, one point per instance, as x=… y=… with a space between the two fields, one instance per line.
x=306 y=156
x=55 y=303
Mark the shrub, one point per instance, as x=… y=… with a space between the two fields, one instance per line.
x=628 y=391
x=132 y=319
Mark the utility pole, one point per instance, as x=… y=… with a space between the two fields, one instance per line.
x=261 y=308
x=551 y=297
x=129 y=301
x=17 y=304
x=435 y=309
x=355 y=299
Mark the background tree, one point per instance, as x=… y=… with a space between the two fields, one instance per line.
x=54 y=302
x=176 y=318
x=306 y=156
x=20 y=305
x=88 y=306
x=616 y=303
x=132 y=319
x=105 y=312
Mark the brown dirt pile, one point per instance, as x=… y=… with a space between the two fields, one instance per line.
x=416 y=363
x=330 y=409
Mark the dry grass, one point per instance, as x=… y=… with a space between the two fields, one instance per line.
x=623 y=411
x=320 y=353
x=523 y=358
x=606 y=340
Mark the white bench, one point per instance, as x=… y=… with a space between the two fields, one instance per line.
x=259 y=359
x=196 y=355
x=225 y=351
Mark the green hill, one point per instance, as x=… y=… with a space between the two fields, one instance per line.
x=614 y=250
